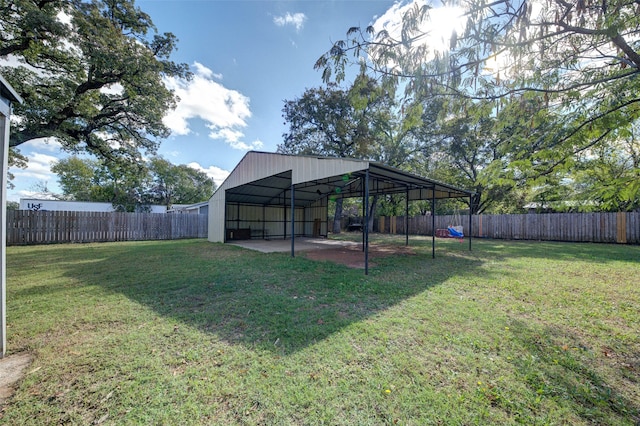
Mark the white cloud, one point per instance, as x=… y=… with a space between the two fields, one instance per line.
x=229 y=135
x=11 y=61
x=257 y=144
x=38 y=167
x=43 y=144
x=216 y=173
x=224 y=111
x=112 y=89
x=205 y=72
x=31 y=194
x=64 y=17
x=296 y=19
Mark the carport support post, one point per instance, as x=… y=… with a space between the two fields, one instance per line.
x=293 y=221
x=364 y=216
x=366 y=222
x=433 y=222
x=406 y=219
x=470 y=219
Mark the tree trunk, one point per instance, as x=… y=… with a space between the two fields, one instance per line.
x=475 y=203
x=372 y=212
x=337 y=217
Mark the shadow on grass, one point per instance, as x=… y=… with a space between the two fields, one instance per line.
x=266 y=301
x=559 y=366
x=592 y=252
x=503 y=249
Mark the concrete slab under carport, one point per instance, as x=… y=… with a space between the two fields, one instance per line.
x=301 y=244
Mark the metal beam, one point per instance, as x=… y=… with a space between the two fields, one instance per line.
x=470 y=219
x=366 y=223
x=433 y=223
x=406 y=219
x=293 y=220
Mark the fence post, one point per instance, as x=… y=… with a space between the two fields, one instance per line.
x=621 y=227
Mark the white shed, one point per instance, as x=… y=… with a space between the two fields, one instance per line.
x=39 y=204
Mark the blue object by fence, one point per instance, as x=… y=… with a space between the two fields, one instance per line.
x=454 y=233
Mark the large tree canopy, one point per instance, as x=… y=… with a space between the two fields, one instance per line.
x=323 y=121
x=90 y=73
x=177 y=184
x=559 y=78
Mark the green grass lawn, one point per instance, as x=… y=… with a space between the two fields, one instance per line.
x=190 y=332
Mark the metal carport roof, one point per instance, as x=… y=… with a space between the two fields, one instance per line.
x=383 y=179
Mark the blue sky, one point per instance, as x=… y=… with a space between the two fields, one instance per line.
x=247 y=58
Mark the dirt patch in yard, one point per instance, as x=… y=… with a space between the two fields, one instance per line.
x=353 y=256
x=12 y=369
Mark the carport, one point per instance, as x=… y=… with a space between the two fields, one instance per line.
x=278 y=196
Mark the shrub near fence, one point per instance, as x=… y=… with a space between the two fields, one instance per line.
x=38 y=227
x=623 y=228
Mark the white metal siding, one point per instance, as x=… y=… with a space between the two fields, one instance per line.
x=216 y=218
x=260 y=165
x=317 y=211
x=265 y=222
x=74 y=206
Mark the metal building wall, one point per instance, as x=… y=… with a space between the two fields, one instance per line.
x=265 y=222
x=216 y=217
x=259 y=165
x=317 y=211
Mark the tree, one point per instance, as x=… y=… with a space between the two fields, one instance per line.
x=90 y=73
x=77 y=178
x=15 y=160
x=132 y=189
x=607 y=178
x=322 y=122
x=83 y=179
x=389 y=124
x=180 y=184
x=574 y=65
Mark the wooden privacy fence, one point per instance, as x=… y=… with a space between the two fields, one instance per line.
x=623 y=228
x=38 y=227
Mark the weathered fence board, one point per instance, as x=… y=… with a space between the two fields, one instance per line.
x=622 y=228
x=42 y=227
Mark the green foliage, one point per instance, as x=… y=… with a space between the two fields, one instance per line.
x=132 y=188
x=83 y=179
x=77 y=178
x=16 y=159
x=607 y=179
x=177 y=184
x=321 y=122
x=538 y=89
x=90 y=74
